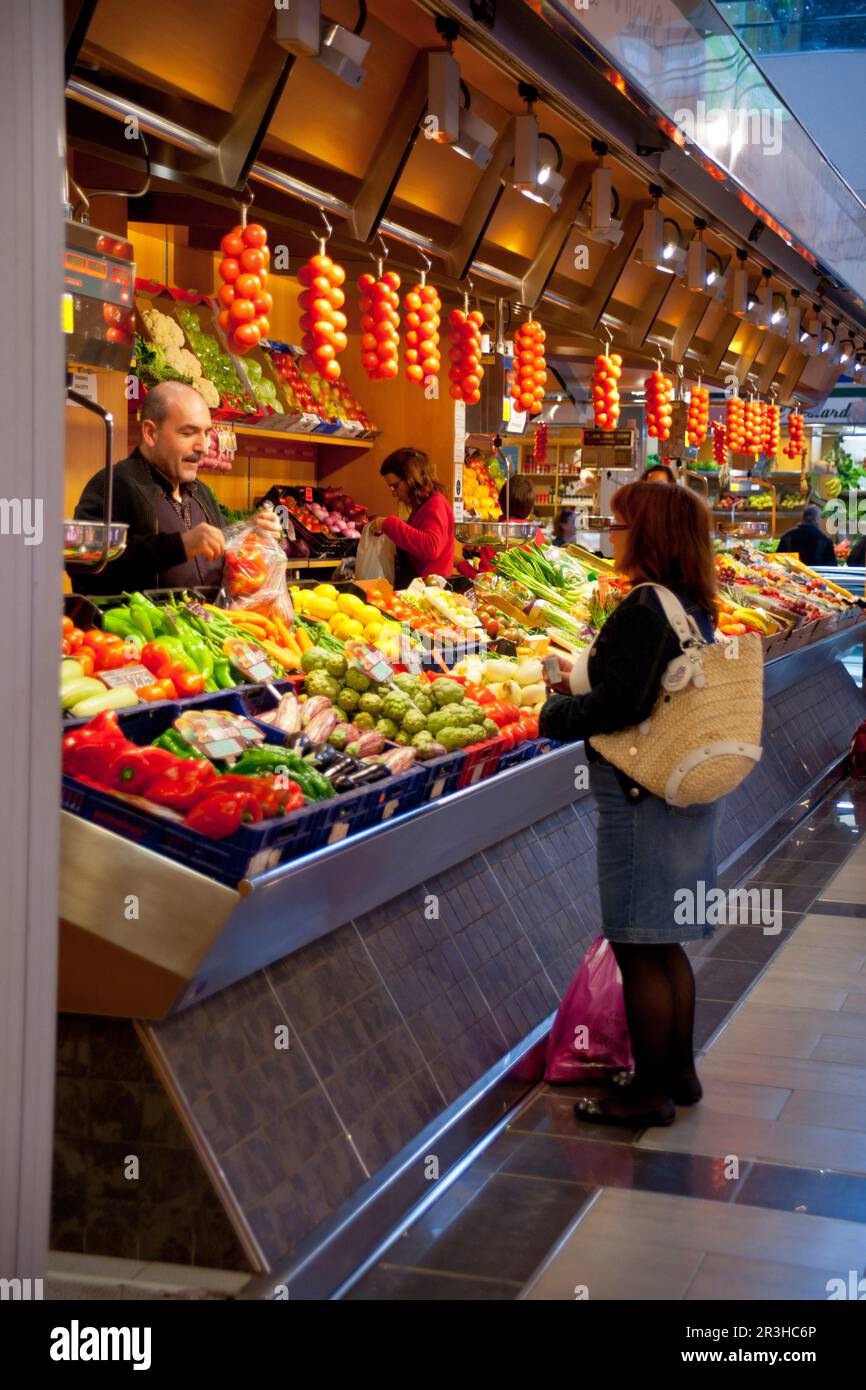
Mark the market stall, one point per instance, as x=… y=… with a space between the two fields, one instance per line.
x=310 y=769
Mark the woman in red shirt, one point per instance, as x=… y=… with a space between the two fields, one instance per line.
x=425 y=542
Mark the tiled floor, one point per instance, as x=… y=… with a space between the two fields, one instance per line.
x=757 y=1193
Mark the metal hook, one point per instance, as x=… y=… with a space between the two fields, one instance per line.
x=467 y=290
x=379 y=257
x=661 y=356
x=329 y=231
x=244 y=204
x=603 y=328
x=428 y=265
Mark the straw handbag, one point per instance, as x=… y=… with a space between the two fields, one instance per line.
x=710 y=689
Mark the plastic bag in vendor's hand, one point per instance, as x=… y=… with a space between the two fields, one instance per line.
x=590 y=1036
x=376 y=557
x=255 y=572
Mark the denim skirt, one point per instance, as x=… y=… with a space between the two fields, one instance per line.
x=652 y=859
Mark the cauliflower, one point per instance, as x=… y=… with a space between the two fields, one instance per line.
x=207 y=391
x=191 y=365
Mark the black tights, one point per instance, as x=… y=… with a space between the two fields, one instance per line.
x=659 y=992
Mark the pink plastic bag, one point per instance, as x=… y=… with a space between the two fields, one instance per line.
x=590 y=1035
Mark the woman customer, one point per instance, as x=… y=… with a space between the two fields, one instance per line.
x=647 y=850
x=659 y=473
x=425 y=542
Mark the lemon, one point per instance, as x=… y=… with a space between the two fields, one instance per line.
x=326 y=591
x=351 y=605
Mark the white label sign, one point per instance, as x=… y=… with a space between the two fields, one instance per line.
x=458 y=491
x=85 y=384
x=459 y=431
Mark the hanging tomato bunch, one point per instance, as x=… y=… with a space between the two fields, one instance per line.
x=323 y=322
x=773 y=429
x=720 y=443
x=753 y=427
x=380 y=324
x=796 y=436
x=530 y=368
x=659 y=404
x=245 y=300
x=605 y=392
x=466 y=371
x=698 y=420
x=736 y=424
x=421 y=355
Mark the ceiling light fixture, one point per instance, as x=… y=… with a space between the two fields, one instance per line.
x=601 y=220
x=525 y=177
x=442 y=120
x=301 y=30
x=476 y=138
x=550 y=181
x=740 y=288
x=696 y=259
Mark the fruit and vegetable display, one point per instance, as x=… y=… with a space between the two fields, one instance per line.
x=659 y=404
x=466 y=371
x=310 y=393
x=735 y=620
x=780 y=584
x=243 y=295
x=330 y=513
x=502 y=680
x=348 y=618
x=530 y=367
x=760 y=501
x=605 y=391
x=556 y=592
x=379 y=304
x=794 y=501
x=421 y=354
x=430 y=715
x=426 y=609
x=167 y=358
x=323 y=322
x=217 y=364
x=480 y=490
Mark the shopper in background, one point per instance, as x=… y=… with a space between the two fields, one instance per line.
x=175 y=538
x=565 y=528
x=425 y=542
x=808 y=540
x=647 y=849
x=659 y=473
x=518 y=499
x=857 y=553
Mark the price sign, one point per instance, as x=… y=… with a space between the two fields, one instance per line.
x=218 y=733
x=370 y=660
x=459 y=431
x=249 y=659
x=136 y=677
x=308 y=494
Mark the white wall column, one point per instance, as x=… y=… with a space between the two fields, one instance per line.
x=31 y=493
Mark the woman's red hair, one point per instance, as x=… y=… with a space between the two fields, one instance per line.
x=668 y=541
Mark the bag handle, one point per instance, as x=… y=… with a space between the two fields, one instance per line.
x=687 y=631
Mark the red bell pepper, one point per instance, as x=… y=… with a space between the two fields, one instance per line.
x=276 y=796
x=91 y=749
x=222 y=813
x=180 y=787
x=133 y=768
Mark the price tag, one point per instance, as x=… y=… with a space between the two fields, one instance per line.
x=308 y=494
x=218 y=733
x=370 y=660
x=249 y=659
x=137 y=677
x=459 y=431
x=552 y=670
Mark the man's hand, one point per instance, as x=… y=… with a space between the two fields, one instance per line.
x=374 y=525
x=268 y=523
x=204 y=540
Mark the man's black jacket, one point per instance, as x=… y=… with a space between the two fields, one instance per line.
x=148 y=550
x=809 y=542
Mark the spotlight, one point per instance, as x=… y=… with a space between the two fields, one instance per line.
x=696 y=260
x=549 y=181
x=526 y=143
x=443 y=97
x=476 y=138
x=740 y=288
x=301 y=30
x=673 y=252
x=717 y=280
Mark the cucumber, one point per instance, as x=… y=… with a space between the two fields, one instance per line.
x=119 y=697
x=70 y=670
x=79 y=689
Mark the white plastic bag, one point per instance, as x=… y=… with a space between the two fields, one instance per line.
x=376 y=557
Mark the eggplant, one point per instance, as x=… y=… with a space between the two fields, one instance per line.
x=342 y=766
x=324 y=758
x=370 y=772
x=342 y=783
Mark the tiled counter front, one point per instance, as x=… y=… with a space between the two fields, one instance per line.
x=393 y=1016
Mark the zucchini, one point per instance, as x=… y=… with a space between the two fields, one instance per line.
x=119 y=697
x=79 y=689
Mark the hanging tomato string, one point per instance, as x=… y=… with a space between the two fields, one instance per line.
x=323 y=322
x=605 y=391
x=421 y=355
x=735 y=421
x=243 y=294
x=796 y=435
x=774 y=418
x=659 y=404
x=720 y=444
x=698 y=419
x=380 y=324
x=530 y=368
x=466 y=371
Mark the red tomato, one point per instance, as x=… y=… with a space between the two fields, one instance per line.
x=113 y=658
x=67 y=625
x=65 y=648
x=189 y=683
x=252 y=260
x=254 y=235
x=507 y=736
x=247 y=286
x=242 y=311
x=247 y=334
x=232 y=245
x=75 y=637
x=95 y=638
x=529 y=724
x=226 y=295
x=229 y=269
x=86 y=660
x=474 y=692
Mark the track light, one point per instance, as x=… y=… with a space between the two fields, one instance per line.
x=673 y=257
x=600 y=220
x=526 y=143
x=794 y=318
x=301 y=30
x=442 y=121
x=476 y=138
x=549 y=181
x=696 y=260
x=740 y=288
x=846 y=351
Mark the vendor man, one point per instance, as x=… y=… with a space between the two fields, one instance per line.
x=175 y=538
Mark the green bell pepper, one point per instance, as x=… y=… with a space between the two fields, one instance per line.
x=119 y=622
